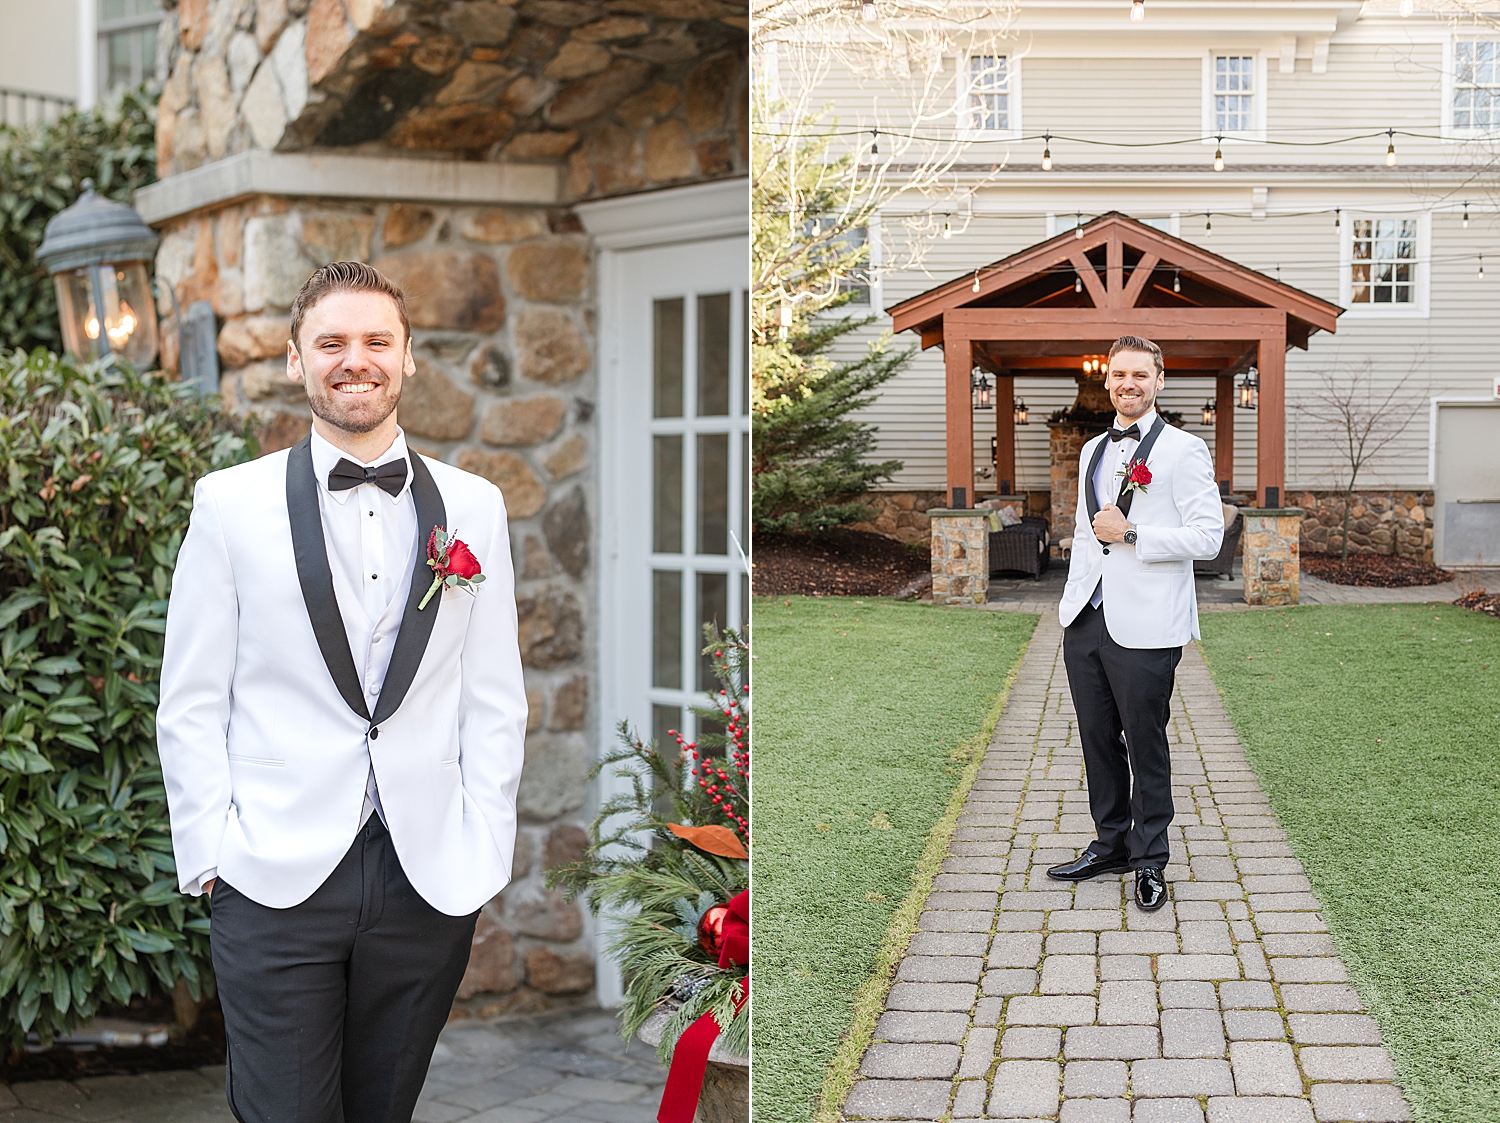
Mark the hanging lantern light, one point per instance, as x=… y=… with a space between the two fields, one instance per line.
x=980 y=386
x=1021 y=414
x=97 y=252
x=1210 y=412
x=1249 y=389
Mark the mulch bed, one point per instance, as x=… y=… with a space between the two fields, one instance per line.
x=1374 y=571
x=840 y=563
x=1480 y=601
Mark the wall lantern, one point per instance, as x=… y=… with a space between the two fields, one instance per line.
x=1021 y=414
x=97 y=252
x=980 y=386
x=1210 y=412
x=1249 y=389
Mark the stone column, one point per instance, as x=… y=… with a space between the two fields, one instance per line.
x=960 y=556
x=1272 y=549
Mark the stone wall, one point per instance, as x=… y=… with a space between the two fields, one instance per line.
x=1272 y=562
x=620 y=95
x=501 y=305
x=903 y=514
x=960 y=558
x=1382 y=522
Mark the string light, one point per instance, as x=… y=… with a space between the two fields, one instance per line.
x=976 y=280
x=1390 y=150
x=1481 y=267
x=947 y=228
x=867 y=11
x=1466 y=216
x=1077 y=283
x=1137 y=10
x=1338 y=220
x=1219 y=154
x=786 y=318
x=874 y=142
x=1046 y=152
x=1407 y=7
x=1208 y=228
x=1177 y=280
x=1078 y=228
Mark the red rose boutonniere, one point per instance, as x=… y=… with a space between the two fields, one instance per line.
x=452 y=564
x=1137 y=476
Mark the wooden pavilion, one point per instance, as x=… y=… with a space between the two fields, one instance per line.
x=1048 y=309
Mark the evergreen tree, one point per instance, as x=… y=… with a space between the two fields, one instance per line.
x=808 y=453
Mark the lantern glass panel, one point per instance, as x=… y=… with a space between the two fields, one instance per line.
x=129 y=313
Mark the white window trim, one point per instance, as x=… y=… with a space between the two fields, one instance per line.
x=1419 y=309
x=1255 y=135
x=1448 y=130
x=1013 y=67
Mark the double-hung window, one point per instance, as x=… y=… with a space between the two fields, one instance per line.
x=1383 y=265
x=1234 y=94
x=989 y=107
x=127 y=42
x=1476 y=85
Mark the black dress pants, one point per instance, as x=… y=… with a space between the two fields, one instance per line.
x=1123 y=690
x=332 y=1007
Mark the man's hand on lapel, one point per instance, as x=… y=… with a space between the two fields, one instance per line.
x=1110 y=525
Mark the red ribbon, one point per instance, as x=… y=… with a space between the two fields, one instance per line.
x=679 y=1100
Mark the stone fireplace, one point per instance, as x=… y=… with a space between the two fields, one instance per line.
x=1090 y=413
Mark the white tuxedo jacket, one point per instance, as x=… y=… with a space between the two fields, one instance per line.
x=266 y=740
x=1149 y=596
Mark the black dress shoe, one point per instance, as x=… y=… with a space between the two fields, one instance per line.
x=1150 y=888
x=1087 y=865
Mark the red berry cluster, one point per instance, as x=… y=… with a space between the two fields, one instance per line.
x=714 y=780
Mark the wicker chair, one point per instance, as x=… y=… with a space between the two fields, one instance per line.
x=1223 y=565
x=1020 y=549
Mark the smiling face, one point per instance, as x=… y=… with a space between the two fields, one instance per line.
x=1133 y=383
x=352 y=354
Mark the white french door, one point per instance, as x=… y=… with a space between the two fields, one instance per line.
x=674 y=430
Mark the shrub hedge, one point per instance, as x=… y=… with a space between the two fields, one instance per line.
x=42 y=169
x=97 y=466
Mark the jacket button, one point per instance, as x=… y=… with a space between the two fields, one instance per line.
x=1106 y=549
x=375 y=733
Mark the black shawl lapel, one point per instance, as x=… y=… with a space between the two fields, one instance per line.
x=316 y=577
x=1142 y=451
x=416 y=627
x=1087 y=483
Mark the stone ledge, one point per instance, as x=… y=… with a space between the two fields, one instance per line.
x=347 y=177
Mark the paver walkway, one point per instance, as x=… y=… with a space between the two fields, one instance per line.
x=565 y=1067
x=1025 y=998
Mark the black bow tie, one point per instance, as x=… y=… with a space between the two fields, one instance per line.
x=1134 y=433
x=389 y=477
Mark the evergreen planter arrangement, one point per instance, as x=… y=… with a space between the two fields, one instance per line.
x=668 y=866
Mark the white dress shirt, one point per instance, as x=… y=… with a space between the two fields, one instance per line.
x=1108 y=476
x=371 y=537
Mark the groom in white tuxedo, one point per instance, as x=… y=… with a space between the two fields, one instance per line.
x=341 y=761
x=1148 y=507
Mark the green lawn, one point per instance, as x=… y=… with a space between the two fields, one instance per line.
x=1376 y=731
x=867 y=715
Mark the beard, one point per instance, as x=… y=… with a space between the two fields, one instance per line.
x=1132 y=407
x=359 y=415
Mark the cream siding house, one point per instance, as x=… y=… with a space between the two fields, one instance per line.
x=1303 y=101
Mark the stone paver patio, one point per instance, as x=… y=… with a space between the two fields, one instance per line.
x=1025 y=998
x=564 y=1067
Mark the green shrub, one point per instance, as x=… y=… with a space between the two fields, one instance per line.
x=98 y=469
x=42 y=169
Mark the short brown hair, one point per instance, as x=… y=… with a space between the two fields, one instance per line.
x=345 y=276
x=1124 y=343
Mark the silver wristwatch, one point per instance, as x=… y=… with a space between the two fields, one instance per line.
x=1130 y=536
